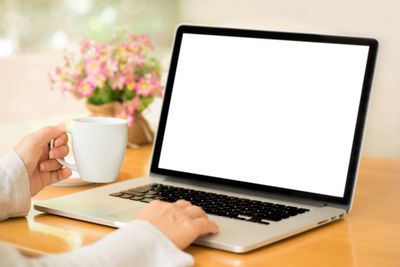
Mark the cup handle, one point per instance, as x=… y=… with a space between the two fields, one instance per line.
x=61 y=161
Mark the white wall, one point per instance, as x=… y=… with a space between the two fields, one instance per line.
x=367 y=18
x=25 y=89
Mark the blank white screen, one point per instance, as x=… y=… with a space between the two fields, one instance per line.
x=271 y=112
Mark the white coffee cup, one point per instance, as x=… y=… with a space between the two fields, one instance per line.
x=99 y=145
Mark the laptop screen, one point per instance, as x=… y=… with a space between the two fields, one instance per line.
x=271 y=112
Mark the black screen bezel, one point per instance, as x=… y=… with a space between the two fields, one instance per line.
x=360 y=123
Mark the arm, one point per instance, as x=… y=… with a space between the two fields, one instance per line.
x=28 y=169
x=156 y=238
x=137 y=244
x=15 y=195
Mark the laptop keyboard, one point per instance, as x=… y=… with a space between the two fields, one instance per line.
x=215 y=204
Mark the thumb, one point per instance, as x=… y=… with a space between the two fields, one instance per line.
x=44 y=135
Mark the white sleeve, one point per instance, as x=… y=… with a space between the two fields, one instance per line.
x=15 y=194
x=139 y=243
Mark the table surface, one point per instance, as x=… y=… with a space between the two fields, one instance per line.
x=368 y=236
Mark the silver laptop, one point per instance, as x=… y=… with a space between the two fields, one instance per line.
x=261 y=129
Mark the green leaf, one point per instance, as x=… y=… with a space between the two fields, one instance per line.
x=105 y=95
x=144 y=102
x=127 y=95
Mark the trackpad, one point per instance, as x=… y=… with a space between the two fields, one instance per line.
x=125 y=215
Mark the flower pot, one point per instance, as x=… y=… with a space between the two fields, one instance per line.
x=138 y=134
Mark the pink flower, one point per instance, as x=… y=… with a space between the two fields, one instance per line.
x=118 y=82
x=50 y=77
x=99 y=47
x=129 y=78
x=105 y=53
x=154 y=76
x=84 y=46
x=77 y=71
x=130 y=85
x=120 y=52
x=90 y=55
x=86 y=87
x=122 y=66
x=144 y=87
x=150 y=85
x=145 y=39
x=123 y=114
x=130 y=73
x=133 y=47
x=157 y=89
x=136 y=59
x=100 y=78
x=133 y=37
x=64 y=86
x=132 y=105
x=93 y=66
x=111 y=67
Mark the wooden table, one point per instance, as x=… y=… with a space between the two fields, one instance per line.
x=368 y=236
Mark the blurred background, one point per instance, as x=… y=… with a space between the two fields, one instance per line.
x=34 y=34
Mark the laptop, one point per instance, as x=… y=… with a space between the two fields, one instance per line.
x=261 y=129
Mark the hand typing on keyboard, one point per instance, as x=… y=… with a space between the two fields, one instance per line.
x=180 y=221
x=216 y=204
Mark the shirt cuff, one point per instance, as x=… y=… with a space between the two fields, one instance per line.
x=19 y=185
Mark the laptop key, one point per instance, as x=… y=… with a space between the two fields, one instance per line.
x=244 y=217
x=271 y=218
x=258 y=220
x=125 y=196
x=142 y=189
x=136 y=198
x=264 y=222
x=279 y=206
x=116 y=194
x=231 y=214
x=131 y=192
x=147 y=200
x=302 y=210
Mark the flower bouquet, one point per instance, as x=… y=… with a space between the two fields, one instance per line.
x=117 y=79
